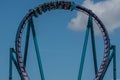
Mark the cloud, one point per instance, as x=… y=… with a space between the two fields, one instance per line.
x=108 y=11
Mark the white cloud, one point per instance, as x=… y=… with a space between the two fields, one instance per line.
x=108 y=11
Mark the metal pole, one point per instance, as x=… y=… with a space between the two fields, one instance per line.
x=27 y=43
x=10 y=65
x=37 y=51
x=110 y=59
x=15 y=63
x=114 y=63
x=84 y=51
x=93 y=45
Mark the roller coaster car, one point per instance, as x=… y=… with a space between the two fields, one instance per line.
x=48 y=6
x=61 y=4
x=39 y=9
x=35 y=13
x=55 y=5
x=44 y=7
x=67 y=5
x=51 y=5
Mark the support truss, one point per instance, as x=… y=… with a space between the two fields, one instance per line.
x=88 y=30
x=12 y=58
x=112 y=56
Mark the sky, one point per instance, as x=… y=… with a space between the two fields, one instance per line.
x=60 y=36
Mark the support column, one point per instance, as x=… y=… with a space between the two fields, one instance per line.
x=114 y=64
x=112 y=56
x=12 y=59
x=84 y=51
x=26 y=43
x=10 y=65
x=93 y=46
x=37 y=50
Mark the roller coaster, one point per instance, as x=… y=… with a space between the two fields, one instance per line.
x=20 y=62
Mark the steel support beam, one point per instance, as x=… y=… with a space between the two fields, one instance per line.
x=112 y=56
x=93 y=45
x=26 y=44
x=10 y=65
x=12 y=59
x=37 y=50
x=84 y=51
x=114 y=63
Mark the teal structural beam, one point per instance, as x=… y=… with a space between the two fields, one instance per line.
x=10 y=65
x=93 y=45
x=37 y=50
x=112 y=56
x=16 y=65
x=114 y=63
x=12 y=59
x=110 y=59
x=84 y=50
x=26 y=44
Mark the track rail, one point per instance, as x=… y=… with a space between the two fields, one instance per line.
x=66 y=5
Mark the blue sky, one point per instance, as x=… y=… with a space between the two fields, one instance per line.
x=59 y=45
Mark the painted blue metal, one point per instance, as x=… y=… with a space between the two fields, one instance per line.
x=10 y=65
x=12 y=59
x=114 y=64
x=26 y=44
x=84 y=50
x=37 y=50
x=73 y=6
x=93 y=46
x=112 y=56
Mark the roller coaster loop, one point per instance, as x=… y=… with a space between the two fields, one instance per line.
x=20 y=62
